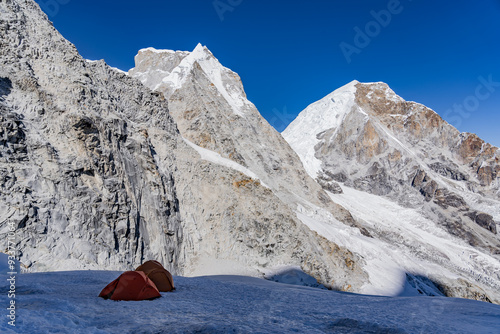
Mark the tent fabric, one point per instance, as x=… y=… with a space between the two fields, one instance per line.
x=159 y=275
x=131 y=285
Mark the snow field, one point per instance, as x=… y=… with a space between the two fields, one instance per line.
x=67 y=302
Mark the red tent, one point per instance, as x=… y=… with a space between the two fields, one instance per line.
x=159 y=275
x=131 y=285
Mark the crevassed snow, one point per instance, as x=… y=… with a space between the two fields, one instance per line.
x=320 y=116
x=67 y=302
x=482 y=204
x=413 y=244
x=216 y=158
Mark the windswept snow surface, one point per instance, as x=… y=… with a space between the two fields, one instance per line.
x=406 y=243
x=67 y=302
x=327 y=113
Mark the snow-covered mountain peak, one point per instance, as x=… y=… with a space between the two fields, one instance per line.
x=371 y=101
x=199 y=48
x=167 y=71
x=201 y=51
x=327 y=113
x=370 y=140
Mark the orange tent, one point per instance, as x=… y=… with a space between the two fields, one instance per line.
x=159 y=275
x=131 y=285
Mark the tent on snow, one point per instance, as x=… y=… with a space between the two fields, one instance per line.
x=131 y=285
x=159 y=275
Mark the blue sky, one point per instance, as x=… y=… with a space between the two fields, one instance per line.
x=289 y=53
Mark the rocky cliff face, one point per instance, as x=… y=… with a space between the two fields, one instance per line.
x=78 y=174
x=364 y=136
x=95 y=174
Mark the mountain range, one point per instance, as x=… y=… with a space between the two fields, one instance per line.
x=364 y=191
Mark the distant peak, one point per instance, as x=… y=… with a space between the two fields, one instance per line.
x=167 y=71
x=349 y=87
x=151 y=49
x=199 y=47
x=201 y=52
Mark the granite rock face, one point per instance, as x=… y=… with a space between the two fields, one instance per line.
x=94 y=173
x=77 y=169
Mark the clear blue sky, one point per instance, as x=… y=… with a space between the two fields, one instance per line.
x=288 y=53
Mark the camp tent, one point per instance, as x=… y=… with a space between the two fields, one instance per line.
x=159 y=275
x=131 y=285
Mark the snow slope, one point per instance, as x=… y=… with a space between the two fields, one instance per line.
x=405 y=242
x=216 y=158
x=327 y=113
x=67 y=302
